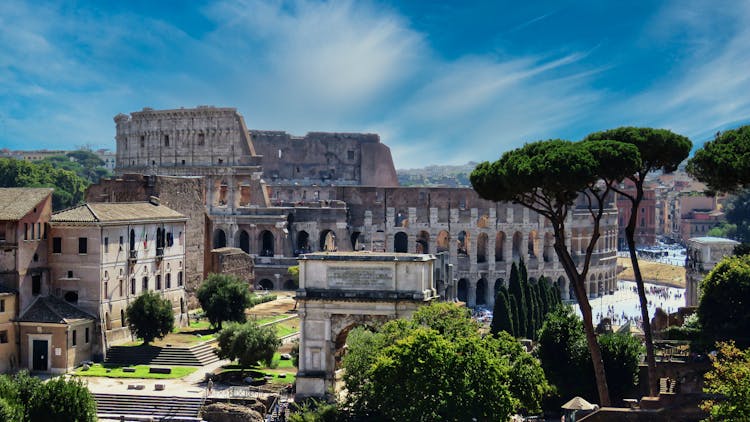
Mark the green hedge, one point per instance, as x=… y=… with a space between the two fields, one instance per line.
x=257 y=300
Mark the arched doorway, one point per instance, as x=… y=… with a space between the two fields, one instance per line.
x=462 y=291
x=443 y=241
x=244 y=241
x=266 y=284
x=266 y=243
x=499 y=246
x=423 y=242
x=482 y=247
x=303 y=243
x=463 y=243
x=549 y=250
x=481 y=297
x=532 y=249
x=220 y=239
x=400 y=242
x=517 y=253
x=356 y=245
x=328 y=241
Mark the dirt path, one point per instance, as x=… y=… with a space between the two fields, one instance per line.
x=653 y=272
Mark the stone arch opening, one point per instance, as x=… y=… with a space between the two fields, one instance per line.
x=549 y=250
x=423 y=242
x=462 y=292
x=463 y=243
x=532 y=244
x=356 y=245
x=482 y=241
x=481 y=296
x=244 y=241
x=443 y=241
x=328 y=241
x=517 y=253
x=220 y=239
x=303 y=243
x=266 y=243
x=400 y=242
x=499 y=246
x=266 y=284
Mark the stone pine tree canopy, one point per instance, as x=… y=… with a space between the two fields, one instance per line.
x=724 y=163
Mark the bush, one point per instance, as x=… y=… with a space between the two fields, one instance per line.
x=150 y=316
x=25 y=398
x=257 y=300
x=223 y=298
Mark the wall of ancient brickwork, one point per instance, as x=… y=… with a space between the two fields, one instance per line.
x=233 y=261
x=321 y=157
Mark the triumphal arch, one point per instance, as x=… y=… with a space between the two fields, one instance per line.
x=341 y=290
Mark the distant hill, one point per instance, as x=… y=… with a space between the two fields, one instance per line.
x=437 y=176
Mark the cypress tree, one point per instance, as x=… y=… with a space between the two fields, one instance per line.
x=514 y=314
x=543 y=286
x=538 y=315
x=530 y=310
x=502 y=319
x=523 y=271
x=516 y=290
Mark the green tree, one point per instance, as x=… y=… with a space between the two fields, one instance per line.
x=444 y=368
x=293 y=272
x=543 y=289
x=722 y=164
x=502 y=319
x=660 y=150
x=69 y=188
x=723 y=309
x=563 y=354
x=150 y=316
x=25 y=398
x=730 y=378
x=223 y=298
x=530 y=309
x=514 y=313
x=548 y=177
x=248 y=343
x=516 y=290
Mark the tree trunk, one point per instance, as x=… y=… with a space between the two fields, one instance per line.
x=579 y=287
x=630 y=236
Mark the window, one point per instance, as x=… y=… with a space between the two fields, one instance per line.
x=145 y=284
x=132 y=286
x=44 y=235
x=143 y=141
x=83 y=245
x=70 y=274
x=2 y=305
x=36 y=257
x=86 y=335
x=201 y=139
x=25 y=231
x=350 y=155
x=120 y=288
x=158 y=282
x=170 y=239
x=38 y=231
x=74 y=337
x=56 y=245
x=168 y=281
x=106 y=245
x=36 y=285
x=166 y=140
x=32 y=231
x=4 y=336
x=106 y=290
x=179 y=278
x=121 y=241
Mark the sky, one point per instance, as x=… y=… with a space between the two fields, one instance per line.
x=440 y=82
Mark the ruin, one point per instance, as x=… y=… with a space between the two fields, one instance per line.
x=276 y=196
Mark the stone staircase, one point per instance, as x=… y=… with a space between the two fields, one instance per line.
x=199 y=355
x=125 y=407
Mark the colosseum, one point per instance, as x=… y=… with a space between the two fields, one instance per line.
x=274 y=196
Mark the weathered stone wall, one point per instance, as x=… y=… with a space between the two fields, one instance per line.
x=235 y=262
x=320 y=157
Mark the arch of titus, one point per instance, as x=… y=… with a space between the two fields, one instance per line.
x=339 y=291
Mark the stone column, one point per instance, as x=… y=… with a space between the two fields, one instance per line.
x=471 y=293
x=491 y=253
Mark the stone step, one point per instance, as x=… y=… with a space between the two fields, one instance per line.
x=198 y=355
x=155 y=406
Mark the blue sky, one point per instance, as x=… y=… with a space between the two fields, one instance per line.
x=442 y=83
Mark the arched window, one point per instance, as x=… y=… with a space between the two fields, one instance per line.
x=400 y=242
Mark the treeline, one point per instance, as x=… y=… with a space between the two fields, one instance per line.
x=68 y=174
x=521 y=309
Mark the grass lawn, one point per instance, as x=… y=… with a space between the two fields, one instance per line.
x=284 y=366
x=287 y=327
x=141 y=371
x=266 y=319
x=183 y=336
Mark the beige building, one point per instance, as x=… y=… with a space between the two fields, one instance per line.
x=103 y=255
x=703 y=253
x=8 y=349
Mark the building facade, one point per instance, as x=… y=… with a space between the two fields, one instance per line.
x=703 y=253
